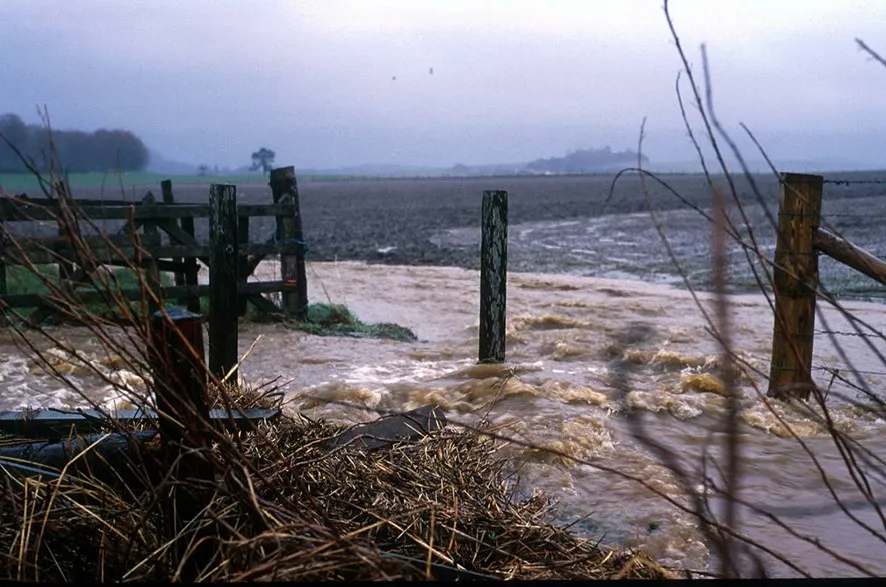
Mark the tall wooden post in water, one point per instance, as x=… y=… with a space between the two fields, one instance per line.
x=795 y=283
x=493 y=276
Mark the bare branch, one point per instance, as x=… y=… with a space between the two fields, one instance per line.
x=876 y=56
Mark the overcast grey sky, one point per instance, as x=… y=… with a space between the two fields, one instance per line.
x=212 y=80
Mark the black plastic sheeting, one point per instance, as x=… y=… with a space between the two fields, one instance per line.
x=384 y=432
x=58 y=423
x=109 y=460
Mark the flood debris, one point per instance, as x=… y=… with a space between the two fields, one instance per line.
x=303 y=499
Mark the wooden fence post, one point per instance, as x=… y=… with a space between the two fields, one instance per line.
x=223 y=262
x=176 y=343
x=289 y=229
x=493 y=276
x=795 y=283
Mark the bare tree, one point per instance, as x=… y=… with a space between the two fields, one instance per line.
x=263 y=159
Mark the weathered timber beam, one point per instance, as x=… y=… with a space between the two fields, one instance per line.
x=93 y=240
x=795 y=283
x=264 y=304
x=284 y=188
x=180 y=236
x=224 y=253
x=845 y=252
x=254 y=260
x=248 y=289
x=107 y=255
x=19 y=201
x=493 y=276
x=111 y=457
x=46 y=423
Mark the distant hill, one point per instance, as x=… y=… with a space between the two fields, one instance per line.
x=376 y=170
x=586 y=161
x=580 y=161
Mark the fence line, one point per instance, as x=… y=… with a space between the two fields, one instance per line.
x=854 y=181
x=146 y=251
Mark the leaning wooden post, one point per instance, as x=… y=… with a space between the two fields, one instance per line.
x=152 y=273
x=223 y=261
x=65 y=266
x=289 y=230
x=3 y=290
x=795 y=283
x=3 y=237
x=176 y=355
x=191 y=268
x=493 y=276
x=169 y=198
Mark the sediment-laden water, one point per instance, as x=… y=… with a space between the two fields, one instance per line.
x=583 y=353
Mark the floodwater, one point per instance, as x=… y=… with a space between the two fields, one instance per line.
x=583 y=354
x=602 y=346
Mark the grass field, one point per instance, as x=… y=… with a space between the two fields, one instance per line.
x=25 y=182
x=322 y=319
x=15 y=182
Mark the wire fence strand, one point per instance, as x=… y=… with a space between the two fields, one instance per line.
x=848 y=182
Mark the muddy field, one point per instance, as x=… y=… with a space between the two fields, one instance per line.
x=560 y=224
x=353 y=220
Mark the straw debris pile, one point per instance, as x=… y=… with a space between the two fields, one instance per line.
x=286 y=506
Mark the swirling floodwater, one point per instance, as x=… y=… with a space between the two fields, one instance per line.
x=590 y=362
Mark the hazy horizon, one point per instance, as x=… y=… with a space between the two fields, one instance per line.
x=476 y=82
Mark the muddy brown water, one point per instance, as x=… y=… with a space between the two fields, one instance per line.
x=584 y=353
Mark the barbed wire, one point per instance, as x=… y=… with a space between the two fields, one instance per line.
x=848 y=182
x=871 y=298
x=840 y=215
x=838 y=370
x=837 y=375
x=843 y=333
x=833 y=370
x=826 y=215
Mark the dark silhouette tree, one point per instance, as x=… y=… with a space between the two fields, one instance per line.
x=263 y=159
x=78 y=151
x=15 y=131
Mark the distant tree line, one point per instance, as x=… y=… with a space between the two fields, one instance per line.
x=585 y=160
x=78 y=151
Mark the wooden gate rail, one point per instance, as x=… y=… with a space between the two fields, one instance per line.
x=850 y=255
x=796 y=278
